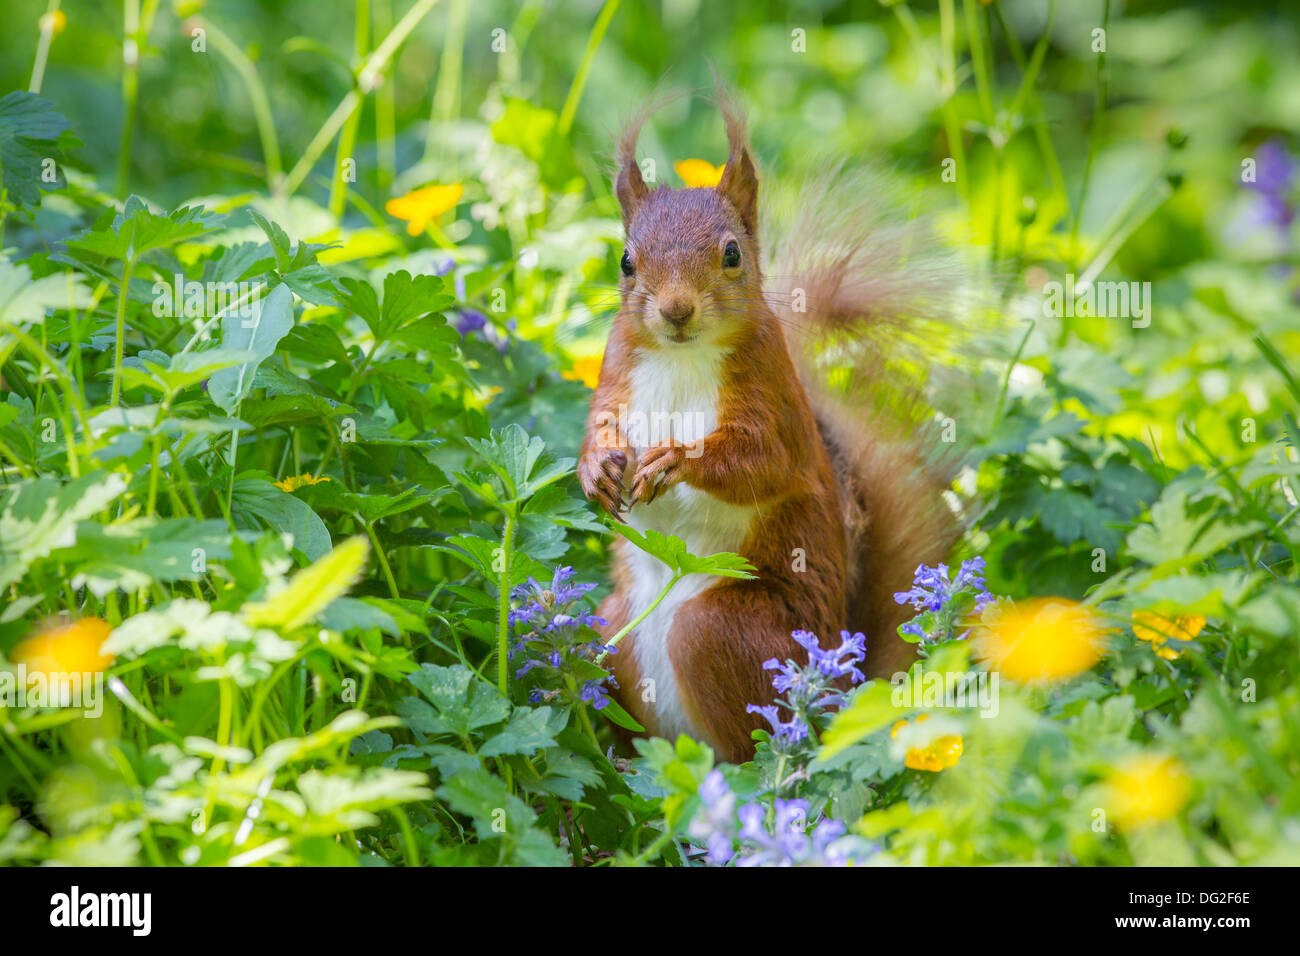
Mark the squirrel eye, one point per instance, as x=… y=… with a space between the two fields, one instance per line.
x=731 y=255
x=626 y=263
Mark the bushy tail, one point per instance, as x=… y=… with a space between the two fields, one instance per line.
x=868 y=299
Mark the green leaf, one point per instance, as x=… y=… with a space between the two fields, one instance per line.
x=872 y=708
x=312 y=589
x=296 y=265
x=1174 y=539
x=405 y=299
x=519 y=462
x=24 y=299
x=31 y=132
x=462 y=701
x=283 y=512
x=135 y=231
x=348 y=798
x=617 y=715
x=529 y=730
x=40 y=515
x=672 y=551
x=165 y=374
x=132 y=555
x=259 y=334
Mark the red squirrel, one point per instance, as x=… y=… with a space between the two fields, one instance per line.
x=708 y=423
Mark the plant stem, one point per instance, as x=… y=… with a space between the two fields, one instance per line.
x=446 y=96
x=636 y=621
x=348 y=139
x=385 y=109
x=262 y=115
x=503 y=605
x=580 y=78
x=383 y=561
x=135 y=28
x=948 y=85
x=43 y=49
x=119 y=342
x=367 y=78
x=1099 y=114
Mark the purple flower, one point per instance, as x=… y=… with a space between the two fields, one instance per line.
x=594 y=693
x=787 y=734
x=808 y=689
x=551 y=629
x=715 y=825
x=720 y=827
x=828 y=662
x=932 y=597
x=471 y=320
x=1275 y=173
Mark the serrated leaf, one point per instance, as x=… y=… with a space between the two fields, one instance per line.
x=136 y=230
x=529 y=730
x=31 y=133
x=673 y=552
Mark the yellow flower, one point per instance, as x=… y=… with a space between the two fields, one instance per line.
x=67 y=649
x=419 y=207
x=1146 y=789
x=698 y=172
x=940 y=753
x=585 y=370
x=53 y=23
x=294 y=482
x=1046 y=639
x=1156 y=628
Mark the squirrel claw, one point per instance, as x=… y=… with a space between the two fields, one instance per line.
x=600 y=472
x=658 y=469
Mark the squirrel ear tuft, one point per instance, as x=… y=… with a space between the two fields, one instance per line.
x=739 y=181
x=740 y=185
x=629 y=187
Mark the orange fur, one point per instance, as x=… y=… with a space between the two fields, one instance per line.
x=831 y=506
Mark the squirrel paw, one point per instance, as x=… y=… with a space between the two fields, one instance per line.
x=659 y=468
x=600 y=472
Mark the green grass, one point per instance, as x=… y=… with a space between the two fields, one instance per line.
x=316 y=672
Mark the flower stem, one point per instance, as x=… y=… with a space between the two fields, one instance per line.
x=636 y=621
x=503 y=606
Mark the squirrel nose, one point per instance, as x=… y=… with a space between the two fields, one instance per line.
x=677 y=313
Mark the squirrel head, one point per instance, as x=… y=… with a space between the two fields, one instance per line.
x=690 y=269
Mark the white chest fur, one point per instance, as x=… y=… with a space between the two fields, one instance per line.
x=675 y=395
